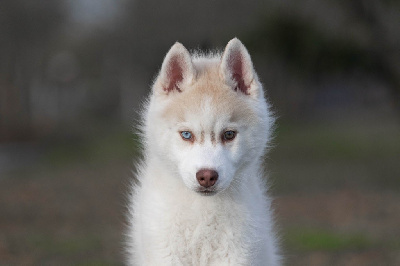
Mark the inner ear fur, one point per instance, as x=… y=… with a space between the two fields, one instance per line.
x=177 y=69
x=236 y=66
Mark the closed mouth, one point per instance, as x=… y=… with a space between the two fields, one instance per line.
x=207 y=192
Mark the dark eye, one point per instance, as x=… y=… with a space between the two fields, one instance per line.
x=186 y=135
x=229 y=135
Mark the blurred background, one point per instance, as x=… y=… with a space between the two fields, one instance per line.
x=73 y=75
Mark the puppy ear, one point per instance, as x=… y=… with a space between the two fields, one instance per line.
x=177 y=69
x=236 y=66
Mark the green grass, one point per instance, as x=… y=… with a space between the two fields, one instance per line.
x=338 y=142
x=332 y=156
x=94 y=149
x=83 y=248
x=64 y=246
x=97 y=263
x=308 y=239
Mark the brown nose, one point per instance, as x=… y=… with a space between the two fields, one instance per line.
x=207 y=177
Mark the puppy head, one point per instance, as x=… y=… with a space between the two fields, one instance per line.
x=209 y=115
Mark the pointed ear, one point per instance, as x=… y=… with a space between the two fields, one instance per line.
x=176 y=71
x=236 y=66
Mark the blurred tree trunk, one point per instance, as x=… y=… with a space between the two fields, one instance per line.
x=25 y=29
x=385 y=46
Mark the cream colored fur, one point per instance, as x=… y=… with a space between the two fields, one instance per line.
x=170 y=221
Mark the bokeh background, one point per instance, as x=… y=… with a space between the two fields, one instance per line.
x=74 y=73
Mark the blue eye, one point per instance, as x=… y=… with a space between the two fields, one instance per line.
x=186 y=135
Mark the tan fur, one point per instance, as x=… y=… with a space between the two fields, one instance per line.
x=208 y=85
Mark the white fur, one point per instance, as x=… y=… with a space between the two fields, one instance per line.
x=170 y=222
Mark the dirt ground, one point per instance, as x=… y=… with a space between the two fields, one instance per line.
x=336 y=193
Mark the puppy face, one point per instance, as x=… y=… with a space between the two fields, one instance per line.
x=210 y=117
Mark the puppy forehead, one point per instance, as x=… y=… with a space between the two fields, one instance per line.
x=208 y=104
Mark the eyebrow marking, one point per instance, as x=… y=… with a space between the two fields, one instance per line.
x=213 y=140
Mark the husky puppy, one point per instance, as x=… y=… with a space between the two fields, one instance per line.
x=201 y=194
